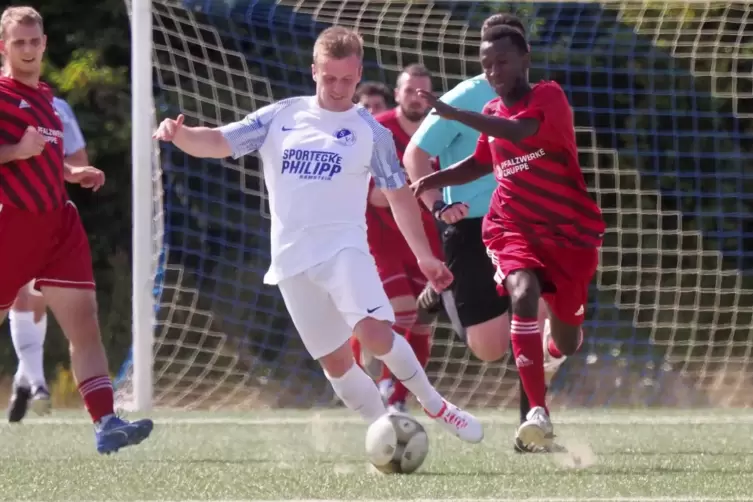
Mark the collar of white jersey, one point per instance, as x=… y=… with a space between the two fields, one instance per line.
x=314 y=103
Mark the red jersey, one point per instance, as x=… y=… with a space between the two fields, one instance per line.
x=383 y=234
x=37 y=183
x=541 y=192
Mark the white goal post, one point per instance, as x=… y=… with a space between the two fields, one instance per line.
x=144 y=232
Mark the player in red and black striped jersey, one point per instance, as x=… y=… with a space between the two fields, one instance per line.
x=41 y=235
x=543 y=230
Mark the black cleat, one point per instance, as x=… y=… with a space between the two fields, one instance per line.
x=19 y=403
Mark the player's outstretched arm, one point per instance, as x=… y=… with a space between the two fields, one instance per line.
x=514 y=130
x=202 y=142
x=465 y=171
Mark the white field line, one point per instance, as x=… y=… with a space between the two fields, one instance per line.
x=516 y=499
x=642 y=419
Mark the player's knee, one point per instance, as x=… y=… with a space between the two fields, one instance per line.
x=524 y=291
x=489 y=340
x=567 y=337
x=23 y=301
x=375 y=335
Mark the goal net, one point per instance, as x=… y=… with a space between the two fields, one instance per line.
x=663 y=106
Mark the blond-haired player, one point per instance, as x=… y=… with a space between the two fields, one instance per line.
x=318 y=152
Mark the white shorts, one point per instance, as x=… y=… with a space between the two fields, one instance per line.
x=329 y=299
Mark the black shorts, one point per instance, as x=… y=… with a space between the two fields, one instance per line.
x=474 y=287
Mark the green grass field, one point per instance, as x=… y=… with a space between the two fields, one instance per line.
x=643 y=456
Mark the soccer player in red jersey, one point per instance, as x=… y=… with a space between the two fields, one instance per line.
x=41 y=235
x=398 y=269
x=543 y=231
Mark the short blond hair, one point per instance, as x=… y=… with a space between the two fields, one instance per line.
x=20 y=14
x=338 y=42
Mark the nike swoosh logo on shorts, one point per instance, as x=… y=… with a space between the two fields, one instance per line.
x=371 y=311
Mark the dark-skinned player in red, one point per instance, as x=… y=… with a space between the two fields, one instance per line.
x=543 y=231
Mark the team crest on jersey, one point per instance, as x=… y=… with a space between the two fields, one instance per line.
x=345 y=137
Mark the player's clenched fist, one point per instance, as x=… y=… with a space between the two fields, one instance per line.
x=32 y=143
x=437 y=273
x=168 y=129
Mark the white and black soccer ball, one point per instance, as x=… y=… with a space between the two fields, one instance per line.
x=396 y=443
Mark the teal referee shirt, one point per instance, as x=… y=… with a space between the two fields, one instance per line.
x=452 y=142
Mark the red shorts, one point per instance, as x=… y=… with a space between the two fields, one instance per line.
x=401 y=279
x=565 y=273
x=395 y=261
x=51 y=248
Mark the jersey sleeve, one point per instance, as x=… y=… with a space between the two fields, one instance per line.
x=249 y=134
x=385 y=167
x=73 y=138
x=549 y=105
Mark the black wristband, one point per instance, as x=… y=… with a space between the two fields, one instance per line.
x=440 y=207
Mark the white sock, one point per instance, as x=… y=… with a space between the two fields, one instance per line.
x=28 y=340
x=359 y=393
x=402 y=362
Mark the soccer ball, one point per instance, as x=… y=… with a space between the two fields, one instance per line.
x=396 y=443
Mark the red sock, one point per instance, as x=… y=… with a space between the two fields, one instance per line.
x=98 y=396
x=529 y=358
x=555 y=352
x=355 y=346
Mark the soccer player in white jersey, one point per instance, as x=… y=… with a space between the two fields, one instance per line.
x=28 y=315
x=318 y=152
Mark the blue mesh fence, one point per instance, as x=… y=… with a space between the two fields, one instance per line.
x=662 y=101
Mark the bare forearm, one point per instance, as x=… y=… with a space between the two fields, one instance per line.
x=78 y=158
x=418 y=164
x=497 y=127
x=463 y=172
x=407 y=214
x=8 y=153
x=202 y=142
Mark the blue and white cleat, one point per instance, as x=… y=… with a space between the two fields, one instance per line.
x=114 y=433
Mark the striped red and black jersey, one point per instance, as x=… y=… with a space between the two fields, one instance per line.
x=541 y=193
x=36 y=184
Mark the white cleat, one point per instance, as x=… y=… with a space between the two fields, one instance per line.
x=551 y=363
x=536 y=433
x=458 y=422
x=40 y=403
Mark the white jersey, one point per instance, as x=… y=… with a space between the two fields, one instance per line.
x=73 y=139
x=316 y=167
